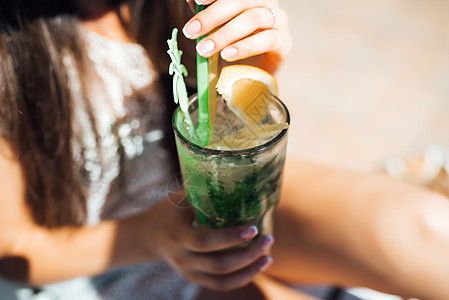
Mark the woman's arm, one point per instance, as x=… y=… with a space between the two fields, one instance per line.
x=36 y=255
x=339 y=227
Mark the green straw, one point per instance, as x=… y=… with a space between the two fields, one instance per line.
x=206 y=79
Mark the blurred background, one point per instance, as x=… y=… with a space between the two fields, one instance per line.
x=367 y=81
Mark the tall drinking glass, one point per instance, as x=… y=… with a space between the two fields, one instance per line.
x=236 y=178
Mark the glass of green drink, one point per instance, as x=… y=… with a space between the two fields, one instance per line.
x=236 y=178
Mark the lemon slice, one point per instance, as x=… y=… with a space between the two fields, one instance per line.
x=246 y=90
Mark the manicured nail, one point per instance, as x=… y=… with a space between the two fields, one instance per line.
x=267 y=242
x=228 y=52
x=249 y=232
x=265 y=263
x=205 y=47
x=192 y=28
x=199 y=2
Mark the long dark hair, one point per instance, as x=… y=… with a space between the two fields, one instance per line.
x=36 y=104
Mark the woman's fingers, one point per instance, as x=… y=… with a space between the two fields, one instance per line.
x=216 y=14
x=200 y=2
x=226 y=262
x=234 y=280
x=242 y=26
x=209 y=240
x=203 y=2
x=240 y=29
x=183 y=233
x=197 y=252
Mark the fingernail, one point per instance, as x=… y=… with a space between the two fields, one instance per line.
x=267 y=242
x=228 y=52
x=199 y=2
x=249 y=232
x=265 y=263
x=192 y=28
x=205 y=47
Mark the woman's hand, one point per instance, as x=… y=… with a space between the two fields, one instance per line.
x=195 y=252
x=241 y=28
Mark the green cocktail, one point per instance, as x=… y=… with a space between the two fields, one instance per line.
x=235 y=179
